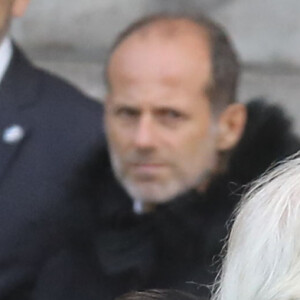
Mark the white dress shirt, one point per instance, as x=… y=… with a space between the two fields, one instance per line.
x=5 y=56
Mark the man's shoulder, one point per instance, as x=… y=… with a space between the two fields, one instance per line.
x=51 y=103
x=268 y=138
x=48 y=88
x=63 y=93
x=271 y=128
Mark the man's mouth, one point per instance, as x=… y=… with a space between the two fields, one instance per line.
x=147 y=165
x=146 y=168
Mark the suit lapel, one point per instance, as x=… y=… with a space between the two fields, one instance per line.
x=19 y=86
x=18 y=90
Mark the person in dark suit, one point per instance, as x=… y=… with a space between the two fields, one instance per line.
x=47 y=130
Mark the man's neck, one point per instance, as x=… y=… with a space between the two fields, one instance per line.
x=5 y=56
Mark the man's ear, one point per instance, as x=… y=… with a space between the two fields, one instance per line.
x=19 y=7
x=231 y=126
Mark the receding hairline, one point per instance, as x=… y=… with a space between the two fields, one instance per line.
x=166 y=27
x=170 y=27
x=160 y=20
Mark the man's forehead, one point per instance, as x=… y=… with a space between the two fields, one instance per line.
x=167 y=50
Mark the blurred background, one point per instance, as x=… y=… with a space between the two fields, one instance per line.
x=72 y=38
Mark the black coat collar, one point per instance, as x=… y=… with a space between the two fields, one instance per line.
x=267 y=139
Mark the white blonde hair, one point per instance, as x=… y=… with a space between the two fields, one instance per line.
x=263 y=250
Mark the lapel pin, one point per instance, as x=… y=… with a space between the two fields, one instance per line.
x=13 y=134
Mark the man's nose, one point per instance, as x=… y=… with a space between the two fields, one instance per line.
x=145 y=133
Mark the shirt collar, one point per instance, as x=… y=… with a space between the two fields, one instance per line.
x=6 y=50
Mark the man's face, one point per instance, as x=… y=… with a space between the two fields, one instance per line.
x=158 y=118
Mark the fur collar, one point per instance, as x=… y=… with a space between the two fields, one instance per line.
x=267 y=139
x=176 y=242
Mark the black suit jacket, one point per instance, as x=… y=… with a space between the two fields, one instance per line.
x=59 y=130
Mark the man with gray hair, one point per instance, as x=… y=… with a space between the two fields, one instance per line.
x=180 y=149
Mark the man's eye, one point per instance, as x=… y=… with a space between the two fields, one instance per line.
x=171 y=117
x=127 y=112
x=172 y=114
